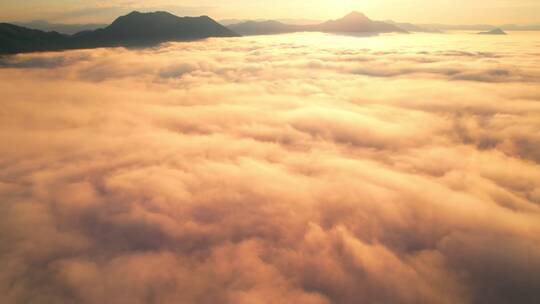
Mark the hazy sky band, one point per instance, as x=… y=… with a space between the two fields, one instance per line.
x=418 y=11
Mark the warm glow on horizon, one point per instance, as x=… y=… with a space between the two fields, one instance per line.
x=416 y=11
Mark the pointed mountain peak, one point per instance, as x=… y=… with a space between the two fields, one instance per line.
x=134 y=13
x=355 y=16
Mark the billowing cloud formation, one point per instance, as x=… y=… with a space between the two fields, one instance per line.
x=299 y=168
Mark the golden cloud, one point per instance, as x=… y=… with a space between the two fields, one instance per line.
x=271 y=170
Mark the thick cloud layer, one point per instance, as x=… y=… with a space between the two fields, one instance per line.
x=301 y=168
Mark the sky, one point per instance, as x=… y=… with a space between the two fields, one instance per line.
x=306 y=168
x=417 y=11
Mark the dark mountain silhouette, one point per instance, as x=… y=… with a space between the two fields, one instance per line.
x=17 y=39
x=62 y=28
x=141 y=29
x=496 y=31
x=134 y=29
x=354 y=22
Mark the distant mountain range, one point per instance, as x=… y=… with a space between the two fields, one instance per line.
x=265 y=28
x=291 y=21
x=61 y=28
x=354 y=22
x=71 y=29
x=134 y=29
x=146 y=29
x=414 y=27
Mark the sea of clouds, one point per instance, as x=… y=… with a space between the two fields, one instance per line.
x=303 y=168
